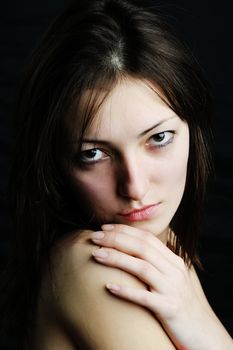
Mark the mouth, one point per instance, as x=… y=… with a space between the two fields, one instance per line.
x=141 y=214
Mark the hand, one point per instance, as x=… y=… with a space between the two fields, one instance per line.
x=170 y=293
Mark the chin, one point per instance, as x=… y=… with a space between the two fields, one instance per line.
x=156 y=228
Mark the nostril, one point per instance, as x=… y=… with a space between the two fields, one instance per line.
x=134 y=189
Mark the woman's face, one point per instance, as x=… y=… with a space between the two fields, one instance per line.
x=133 y=164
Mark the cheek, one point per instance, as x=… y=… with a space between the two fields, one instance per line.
x=91 y=187
x=174 y=170
x=178 y=171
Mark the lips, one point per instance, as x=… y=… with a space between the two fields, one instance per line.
x=141 y=214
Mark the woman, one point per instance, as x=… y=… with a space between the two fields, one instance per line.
x=113 y=154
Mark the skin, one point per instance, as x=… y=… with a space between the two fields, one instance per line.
x=173 y=293
x=126 y=167
x=140 y=284
x=135 y=154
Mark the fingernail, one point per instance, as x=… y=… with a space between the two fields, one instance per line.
x=113 y=287
x=97 y=235
x=100 y=253
x=107 y=227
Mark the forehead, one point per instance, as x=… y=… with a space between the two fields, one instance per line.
x=131 y=107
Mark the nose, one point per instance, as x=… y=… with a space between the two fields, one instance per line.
x=133 y=180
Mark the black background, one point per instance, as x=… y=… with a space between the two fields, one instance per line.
x=207 y=28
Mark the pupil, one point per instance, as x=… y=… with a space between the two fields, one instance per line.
x=91 y=153
x=160 y=136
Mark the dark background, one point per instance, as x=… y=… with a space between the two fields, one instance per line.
x=207 y=28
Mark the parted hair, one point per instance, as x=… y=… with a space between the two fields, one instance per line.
x=90 y=47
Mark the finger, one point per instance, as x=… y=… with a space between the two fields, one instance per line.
x=141 y=269
x=152 y=301
x=133 y=246
x=147 y=236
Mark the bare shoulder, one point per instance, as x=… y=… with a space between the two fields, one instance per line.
x=75 y=289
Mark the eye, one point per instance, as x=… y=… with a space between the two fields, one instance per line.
x=161 y=139
x=91 y=156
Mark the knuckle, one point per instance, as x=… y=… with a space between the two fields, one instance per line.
x=145 y=298
x=121 y=227
x=115 y=238
x=144 y=268
x=145 y=252
x=143 y=248
x=112 y=256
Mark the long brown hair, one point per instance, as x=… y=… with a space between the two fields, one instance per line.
x=92 y=45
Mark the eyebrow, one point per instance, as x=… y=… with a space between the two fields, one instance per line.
x=140 y=135
x=156 y=125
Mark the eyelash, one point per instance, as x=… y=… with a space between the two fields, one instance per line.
x=82 y=154
x=80 y=158
x=172 y=132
